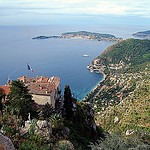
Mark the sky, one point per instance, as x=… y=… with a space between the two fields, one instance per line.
x=28 y=12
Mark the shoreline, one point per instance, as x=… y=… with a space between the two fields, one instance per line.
x=104 y=77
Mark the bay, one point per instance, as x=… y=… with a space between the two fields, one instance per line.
x=52 y=57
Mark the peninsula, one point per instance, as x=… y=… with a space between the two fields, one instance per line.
x=144 y=34
x=83 y=35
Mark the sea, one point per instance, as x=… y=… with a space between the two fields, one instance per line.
x=55 y=57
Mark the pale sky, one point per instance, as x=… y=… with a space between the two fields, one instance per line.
x=73 y=11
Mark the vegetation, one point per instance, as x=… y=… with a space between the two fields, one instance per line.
x=123 y=104
x=20 y=99
x=132 y=114
x=1 y=105
x=126 y=63
x=132 y=51
x=68 y=103
x=51 y=129
x=47 y=110
x=115 y=142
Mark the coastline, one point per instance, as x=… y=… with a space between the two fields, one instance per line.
x=104 y=77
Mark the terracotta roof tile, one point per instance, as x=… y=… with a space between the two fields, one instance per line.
x=5 y=88
x=40 y=88
x=41 y=85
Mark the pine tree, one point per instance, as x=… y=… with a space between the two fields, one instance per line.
x=68 y=103
x=20 y=99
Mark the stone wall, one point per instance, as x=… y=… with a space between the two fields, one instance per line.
x=41 y=99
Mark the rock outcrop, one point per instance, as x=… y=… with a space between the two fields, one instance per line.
x=6 y=143
x=43 y=128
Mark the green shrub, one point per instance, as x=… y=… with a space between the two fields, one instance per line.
x=27 y=146
x=113 y=142
x=35 y=139
x=64 y=145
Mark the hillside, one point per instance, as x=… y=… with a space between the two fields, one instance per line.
x=144 y=34
x=122 y=100
x=132 y=51
x=83 y=35
x=131 y=114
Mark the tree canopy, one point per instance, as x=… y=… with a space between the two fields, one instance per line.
x=20 y=98
x=132 y=51
x=68 y=103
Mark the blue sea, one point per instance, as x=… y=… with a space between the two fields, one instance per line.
x=54 y=57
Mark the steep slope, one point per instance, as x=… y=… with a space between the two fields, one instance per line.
x=122 y=100
x=132 y=113
x=132 y=51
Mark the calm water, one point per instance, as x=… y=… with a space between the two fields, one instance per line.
x=59 y=57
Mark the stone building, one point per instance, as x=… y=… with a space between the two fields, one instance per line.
x=44 y=90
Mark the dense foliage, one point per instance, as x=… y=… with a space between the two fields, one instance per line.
x=20 y=99
x=132 y=51
x=68 y=103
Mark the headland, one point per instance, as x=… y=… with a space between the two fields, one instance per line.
x=83 y=35
x=143 y=34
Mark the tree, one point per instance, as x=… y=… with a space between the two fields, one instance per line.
x=1 y=105
x=20 y=99
x=47 y=110
x=68 y=103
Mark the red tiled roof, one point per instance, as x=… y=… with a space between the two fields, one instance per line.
x=43 y=79
x=5 y=89
x=41 y=85
x=40 y=88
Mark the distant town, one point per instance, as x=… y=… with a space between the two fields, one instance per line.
x=83 y=35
